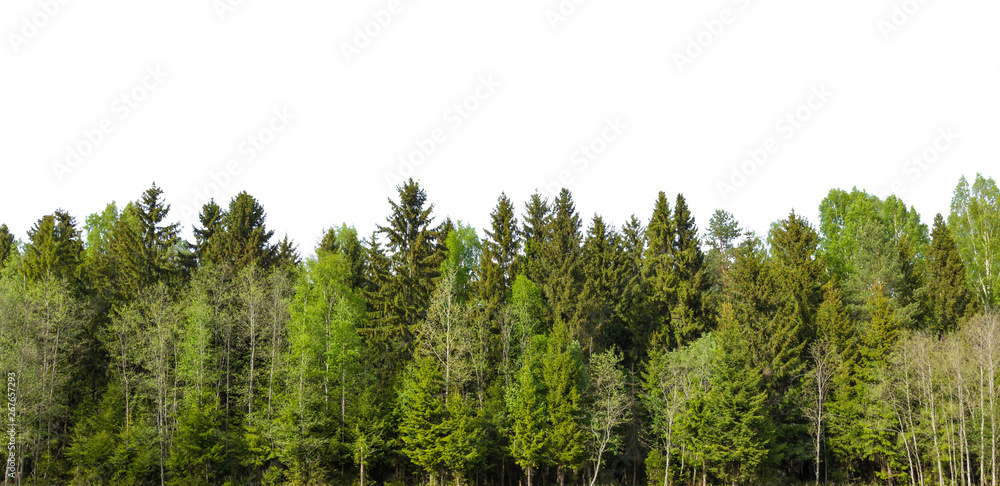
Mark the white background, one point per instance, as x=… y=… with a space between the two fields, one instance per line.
x=561 y=78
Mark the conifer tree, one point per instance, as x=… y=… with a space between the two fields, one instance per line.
x=54 y=248
x=414 y=265
x=526 y=404
x=658 y=271
x=688 y=316
x=424 y=418
x=7 y=246
x=951 y=299
x=245 y=238
x=794 y=244
x=563 y=379
x=535 y=232
x=159 y=239
x=208 y=238
x=562 y=281
x=498 y=265
x=633 y=305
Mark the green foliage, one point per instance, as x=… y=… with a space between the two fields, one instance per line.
x=951 y=299
x=7 y=246
x=54 y=249
x=563 y=378
x=526 y=405
x=463 y=253
x=498 y=263
x=975 y=221
x=411 y=270
x=422 y=353
x=726 y=424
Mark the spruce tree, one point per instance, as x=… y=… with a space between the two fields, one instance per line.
x=208 y=237
x=659 y=274
x=245 y=237
x=604 y=280
x=7 y=246
x=54 y=248
x=535 y=232
x=160 y=240
x=689 y=316
x=526 y=405
x=563 y=379
x=633 y=305
x=414 y=266
x=562 y=281
x=951 y=299
x=498 y=265
x=424 y=419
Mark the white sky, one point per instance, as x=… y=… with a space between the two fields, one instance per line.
x=686 y=130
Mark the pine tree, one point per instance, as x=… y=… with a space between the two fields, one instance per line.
x=7 y=246
x=526 y=405
x=535 y=232
x=633 y=305
x=688 y=316
x=245 y=238
x=603 y=282
x=160 y=241
x=498 y=265
x=54 y=248
x=128 y=257
x=414 y=266
x=424 y=418
x=208 y=238
x=658 y=272
x=561 y=268
x=951 y=299
x=563 y=378
x=198 y=451
x=736 y=415
x=794 y=244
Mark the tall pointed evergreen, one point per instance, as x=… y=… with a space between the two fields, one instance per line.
x=562 y=277
x=6 y=244
x=54 y=248
x=689 y=317
x=535 y=234
x=159 y=239
x=498 y=265
x=246 y=238
x=414 y=264
x=208 y=237
x=563 y=378
x=794 y=246
x=659 y=272
x=951 y=299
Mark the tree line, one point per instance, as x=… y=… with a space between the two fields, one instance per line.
x=543 y=350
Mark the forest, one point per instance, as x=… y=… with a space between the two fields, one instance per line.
x=546 y=349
